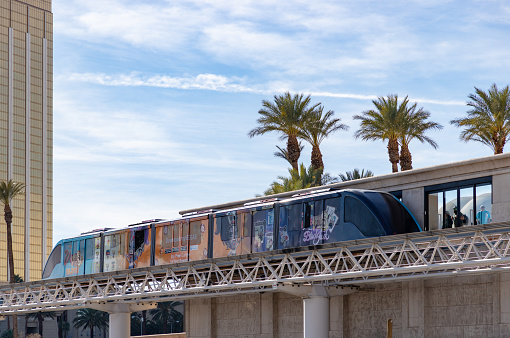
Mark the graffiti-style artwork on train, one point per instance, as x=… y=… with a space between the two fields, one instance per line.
x=172 y=242
x=93 y=255
x=74 y=257
x=139 y=247
x=263 y=230
x=115 y=252
x=198 y=239
x=226 y=235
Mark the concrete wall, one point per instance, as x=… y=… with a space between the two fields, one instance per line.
x=465 y=306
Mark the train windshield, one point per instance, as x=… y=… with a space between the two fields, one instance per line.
x=395 y=213
x=54 y=259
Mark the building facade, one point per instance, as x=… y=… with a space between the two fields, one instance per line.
x=26 y=110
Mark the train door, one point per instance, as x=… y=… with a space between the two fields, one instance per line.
x=164 y=243
x=245 y=225
x=198 y=238
x=263 y=230
x=139 y=251
x=180 y=242
x=74 y=252
x=226 y=235
x=333 y=230
x=93 y=255
x=313 y=233
x=291 y=223
x=115 y=251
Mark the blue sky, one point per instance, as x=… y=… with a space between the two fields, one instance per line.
x=153 y=100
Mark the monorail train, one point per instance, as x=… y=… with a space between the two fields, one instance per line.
x=314 y=218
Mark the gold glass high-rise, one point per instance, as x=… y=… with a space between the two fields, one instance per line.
x=26 y=130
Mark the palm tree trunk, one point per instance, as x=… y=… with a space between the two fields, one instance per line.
x=499 y=144
x=8 y=221
x=406 y=160
x=92 y=332
x=293 y=150
x=317 y=158
x=393 y=154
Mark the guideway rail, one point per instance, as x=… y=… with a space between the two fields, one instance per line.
x=472 y=249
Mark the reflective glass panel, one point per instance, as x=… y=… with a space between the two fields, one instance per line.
x=484 y=204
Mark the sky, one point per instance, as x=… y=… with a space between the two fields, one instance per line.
x=153 y=100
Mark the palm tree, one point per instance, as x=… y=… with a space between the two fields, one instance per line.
x=164 y=312
x=286 y=116
x=383 y=123
x=414 y=125
x=283 y=153
x=89 y=318
x=316 y=128
x=356 y=175
x=8 y=191
x=488 y=121
x=39 y=316
x=302 y=179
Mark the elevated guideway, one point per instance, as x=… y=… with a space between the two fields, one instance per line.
x=348 y=264
x=314 y=273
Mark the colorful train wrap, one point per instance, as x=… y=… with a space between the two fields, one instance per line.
x=314 y=218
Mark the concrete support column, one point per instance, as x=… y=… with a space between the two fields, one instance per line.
x=316 y=317
x=120 y=315
x=120 y=325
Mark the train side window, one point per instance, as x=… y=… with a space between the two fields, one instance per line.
x=228 y=227
x=360 y=215
x=247 y=224
x=195 y=233
x=184 y=238
x=53 y=260
x=139 y=240
x=176 y=235
x=308 y=211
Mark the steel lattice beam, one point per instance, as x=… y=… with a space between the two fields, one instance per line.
x=420 y=255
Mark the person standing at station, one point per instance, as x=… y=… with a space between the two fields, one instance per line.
x=483 y=216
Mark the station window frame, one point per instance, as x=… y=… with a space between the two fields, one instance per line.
x=456 y=185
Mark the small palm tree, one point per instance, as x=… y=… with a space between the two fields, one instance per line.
x=383 y=123
x=356 y=175
x=90 y=319
x=302 y=179
x=40 y=316
x=164 y=312
x=488 y=121
x=414 y=126
x=8 y=191
x=283 y=153
x=286 y=116
x=317 y=127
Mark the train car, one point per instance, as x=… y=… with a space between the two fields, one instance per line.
x=313 y=218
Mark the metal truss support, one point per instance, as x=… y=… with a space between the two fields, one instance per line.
x=341 y=267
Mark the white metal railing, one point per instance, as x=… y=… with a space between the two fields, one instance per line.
x=418 y=255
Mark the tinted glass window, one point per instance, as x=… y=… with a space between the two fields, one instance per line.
x=195 y=233
x=358 y=213
x=53 y=260
x=228 y=227
x=184 y=238
x=177 y=227
x=247 y=224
